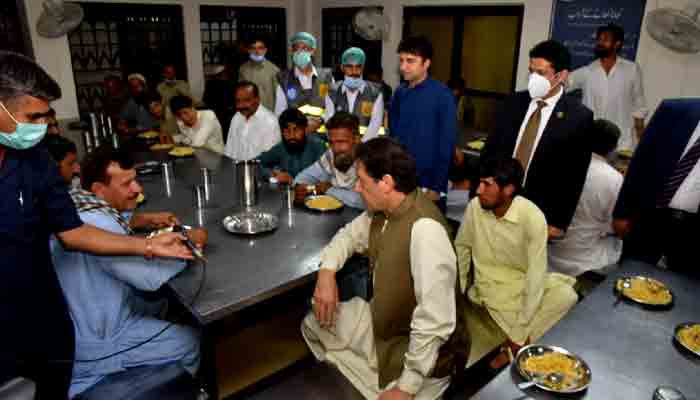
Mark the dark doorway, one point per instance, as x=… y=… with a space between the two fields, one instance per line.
x=13 y=27
x=480 y=44
x=119 y=39
x=226 y=30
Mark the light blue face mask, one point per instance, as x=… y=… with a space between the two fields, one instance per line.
x=25 y=136
x=301 y=58
x=352 y=83
x=256 y=58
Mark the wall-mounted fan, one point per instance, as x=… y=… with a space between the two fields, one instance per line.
x=58 y=18
x=371 y=24
x=678 y=30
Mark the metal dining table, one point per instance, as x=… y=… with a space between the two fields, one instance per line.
x=241 y=270
x=629 y=348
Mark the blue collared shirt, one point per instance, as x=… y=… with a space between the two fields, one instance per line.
x=424 y=119
x=323 y=170
x=101 y=292
x=34 y=203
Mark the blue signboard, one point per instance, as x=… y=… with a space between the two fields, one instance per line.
x=574 y=23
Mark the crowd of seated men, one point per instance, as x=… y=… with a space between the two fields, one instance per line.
x=529 y=239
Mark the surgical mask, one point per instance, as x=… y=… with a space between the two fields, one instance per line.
x=538 y=86
x=301 y=58
x=257 y=58
x=25 y=136
x=352 y=83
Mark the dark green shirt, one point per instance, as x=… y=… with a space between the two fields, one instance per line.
x=278 y=157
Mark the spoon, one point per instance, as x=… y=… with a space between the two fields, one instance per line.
x=553 y=378
x=625 y=285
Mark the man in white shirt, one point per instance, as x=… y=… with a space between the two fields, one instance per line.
x=198 y=128
x=612 y=87
x=358 y=96
x=657 y=209
x=254 y=128
x=589 y=243
x=406 y=342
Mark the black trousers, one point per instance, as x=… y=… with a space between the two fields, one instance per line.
x=665 y=232
x=40 y=347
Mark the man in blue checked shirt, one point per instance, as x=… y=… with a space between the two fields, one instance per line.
x=334 y=173
x=34 y=204
x=103 y=292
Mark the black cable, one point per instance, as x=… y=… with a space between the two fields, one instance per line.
x=170 y=325
x=137 y=345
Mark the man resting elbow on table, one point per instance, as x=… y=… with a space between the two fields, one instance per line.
x=198 y=128
x=409 y=339
x=296 y=152
x=102 y=292
x=334 y=173
x=512 y=300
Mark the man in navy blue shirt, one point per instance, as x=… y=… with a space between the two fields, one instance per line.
x=36 y=339
x=423 y=117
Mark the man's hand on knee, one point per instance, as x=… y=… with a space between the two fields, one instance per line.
x=326 y=298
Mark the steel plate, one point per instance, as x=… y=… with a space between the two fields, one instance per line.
x=620 y=292
x=677 y=331
x=250 y=222
x=578 y=383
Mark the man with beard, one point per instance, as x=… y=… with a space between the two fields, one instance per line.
x=358 y=96
x=612 y=87
x=512 y=298
x=254 y=128
x=296 y=151
x=334 y=174
x=134 y=116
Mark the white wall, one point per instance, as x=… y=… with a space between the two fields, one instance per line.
x=54 y=56
x=666 y=73
x=535 y=26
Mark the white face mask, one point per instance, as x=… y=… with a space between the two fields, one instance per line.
x=538 y=86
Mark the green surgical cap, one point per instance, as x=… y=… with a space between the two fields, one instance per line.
x=305 y=37
x=353 y=56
